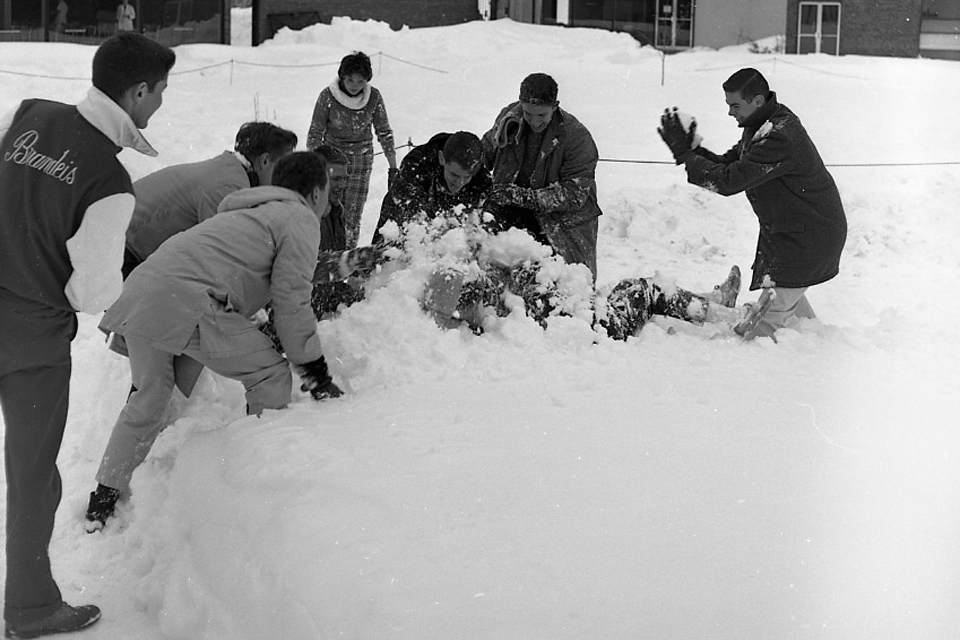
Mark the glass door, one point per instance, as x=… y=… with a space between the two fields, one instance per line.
x=674 y=28
x=818 y=28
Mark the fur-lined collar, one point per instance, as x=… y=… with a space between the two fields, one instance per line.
x=350 y=102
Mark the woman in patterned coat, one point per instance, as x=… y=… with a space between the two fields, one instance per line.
x=343 y=117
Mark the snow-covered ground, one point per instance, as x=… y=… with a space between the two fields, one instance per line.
x=531 y=484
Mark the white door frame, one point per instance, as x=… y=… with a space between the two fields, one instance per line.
x=818 y=34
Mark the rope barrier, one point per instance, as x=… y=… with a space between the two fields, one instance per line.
x=412 y=64
x=410 y=142
x=837 y=164
x=232 y=63
x=37 y=75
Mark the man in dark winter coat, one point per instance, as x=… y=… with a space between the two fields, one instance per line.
x=436 y=177
x=544 y=163
x=802 y=223
x=65 y=201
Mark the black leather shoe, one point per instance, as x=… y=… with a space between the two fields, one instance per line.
x=63 y=620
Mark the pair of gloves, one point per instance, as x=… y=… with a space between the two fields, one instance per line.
x=315 y=378
x=681 y=141
x=514 y=195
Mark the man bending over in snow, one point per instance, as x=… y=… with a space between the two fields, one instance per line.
x=802 y=224
x=195 y=296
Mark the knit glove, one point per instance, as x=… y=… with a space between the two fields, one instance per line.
x=511 y=194
x=315 y=378
x=679 y=140
x=362 y=260
x=392 y=174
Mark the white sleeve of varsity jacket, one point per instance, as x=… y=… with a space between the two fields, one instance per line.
x=96 y=253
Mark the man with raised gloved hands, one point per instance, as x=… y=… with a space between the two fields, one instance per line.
x=803 y=226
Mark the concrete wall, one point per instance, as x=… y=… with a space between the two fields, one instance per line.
x=870 y=27
x=722 y=23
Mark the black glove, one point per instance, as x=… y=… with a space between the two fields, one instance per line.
x=511 y=194
x=675 y=136
x=316 y=379
x=392 y=174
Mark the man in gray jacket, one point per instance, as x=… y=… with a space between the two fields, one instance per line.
x=180 y=196
x=195 y=296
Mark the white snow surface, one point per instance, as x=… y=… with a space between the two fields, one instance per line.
x=529 y=484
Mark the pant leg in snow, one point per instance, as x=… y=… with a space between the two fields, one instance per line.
x=141 y=419
x=634 y=300
x=255 y=363
x=359 y=167
x=789 y=303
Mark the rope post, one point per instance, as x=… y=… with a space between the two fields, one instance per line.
x=663 y=67
x=231 y=72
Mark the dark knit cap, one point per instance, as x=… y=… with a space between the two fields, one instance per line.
x=538 y=89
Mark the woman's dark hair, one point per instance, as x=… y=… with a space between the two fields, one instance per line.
x=127 y=59
x=356 y=63
x=301 y=171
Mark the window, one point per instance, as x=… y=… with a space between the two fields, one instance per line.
x=818 y=29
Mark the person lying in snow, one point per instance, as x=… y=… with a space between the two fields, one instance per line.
x=475 y=276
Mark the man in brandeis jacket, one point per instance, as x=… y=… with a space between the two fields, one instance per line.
x=65 y=201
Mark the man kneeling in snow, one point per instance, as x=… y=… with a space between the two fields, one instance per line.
x=195 y=296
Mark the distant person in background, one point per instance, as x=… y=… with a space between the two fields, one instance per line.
x=60 y=21
x=802 y=223
x=65 y=201
x=343 y=117
x=126 y=14
x=544 y=164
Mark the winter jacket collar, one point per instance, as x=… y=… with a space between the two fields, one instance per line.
x=509 y=126
x=762 y=114
x=247 y=167
x=256 y=196
x=350 y=102
x=115 y=123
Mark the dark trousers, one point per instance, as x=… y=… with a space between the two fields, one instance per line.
x=34 y=394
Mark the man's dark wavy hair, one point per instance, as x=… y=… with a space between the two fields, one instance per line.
x=256 y=138
x=332 y=155
x=301 y=171
x=127 y=59
x=749 y=83
x=464 y=148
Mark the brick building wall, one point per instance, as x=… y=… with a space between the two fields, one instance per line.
x=269 y=15
x=870 y=27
